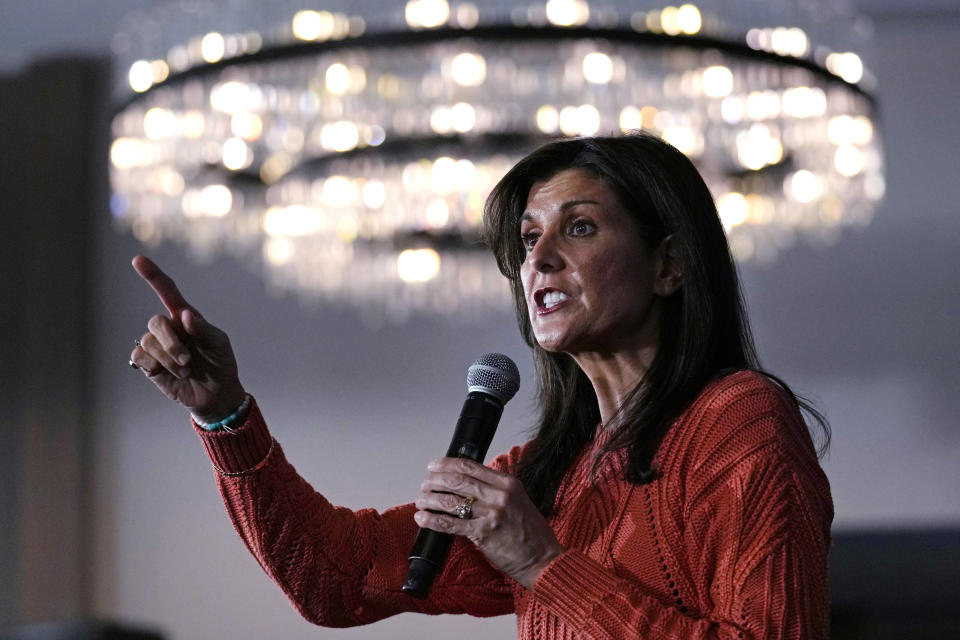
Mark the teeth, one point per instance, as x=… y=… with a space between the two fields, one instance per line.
x=553 y=298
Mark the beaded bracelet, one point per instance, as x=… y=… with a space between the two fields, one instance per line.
x=256 y=467
x=227 y=423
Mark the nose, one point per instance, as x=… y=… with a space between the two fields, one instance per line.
x=545 y=257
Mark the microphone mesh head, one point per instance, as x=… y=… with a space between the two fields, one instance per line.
x=494 y=374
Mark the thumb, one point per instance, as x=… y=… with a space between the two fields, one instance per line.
x=205 y=334
x=192 y=322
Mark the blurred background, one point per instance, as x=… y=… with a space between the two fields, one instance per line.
x=108 y=509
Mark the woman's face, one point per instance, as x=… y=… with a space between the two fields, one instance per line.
x=588 y=277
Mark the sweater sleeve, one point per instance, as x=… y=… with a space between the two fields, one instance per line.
x=754 y=514
x=338 y=567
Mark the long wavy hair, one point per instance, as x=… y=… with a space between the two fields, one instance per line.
x=704 y=331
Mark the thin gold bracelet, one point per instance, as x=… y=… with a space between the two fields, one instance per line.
x=257 y=467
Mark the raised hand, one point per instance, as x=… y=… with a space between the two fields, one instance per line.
x=503 y=522
x=187 y=358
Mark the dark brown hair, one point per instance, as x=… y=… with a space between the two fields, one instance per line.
x=704 y=332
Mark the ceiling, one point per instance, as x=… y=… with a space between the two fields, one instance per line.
x=86 y=27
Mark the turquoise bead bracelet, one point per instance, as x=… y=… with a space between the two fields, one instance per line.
x=230 y=421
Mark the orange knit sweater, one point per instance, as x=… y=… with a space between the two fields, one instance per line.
x=730 y=540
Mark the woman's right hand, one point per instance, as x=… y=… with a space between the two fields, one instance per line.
x=187 y=358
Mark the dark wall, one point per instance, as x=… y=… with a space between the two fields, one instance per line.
x=51 y=135
x=896 y=585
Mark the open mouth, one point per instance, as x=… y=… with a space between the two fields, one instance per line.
x=548 y=299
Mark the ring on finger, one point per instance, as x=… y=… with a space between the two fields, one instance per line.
x=137 y=342
x=133 y=364
x=464 y=509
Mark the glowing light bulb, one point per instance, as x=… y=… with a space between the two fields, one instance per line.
x=374 y=194
x=192 y=124
x=803 y=186
x=464 y=174
x=567 y=13
x=846 y=65
x=468 y=69
x=789 y=42
x=441 y=175
x=292 y=221
x=848 y=160
x=462 y=117
x=731 y=109
x=233 y=96
x=548 y=119
x=631 y=119
x=313 y=25
x=427 y=14
x=441 y=120
x=717 y=81
x=236 y=154
x=339 y=136
x=158 y=123
x=126 y=153
x=278 y=251
x=732 y=208
x=414 y=175
x=214 y=200
x=246 y=125
x=467 y=15
x=689 y=19
x=597 y=68
x=140 y=76
x=338 y=191
x=160 y=70
x=682 y=137
x=804 y=102
x=212 y=47
x=670 y=21
x=757 y=147
x=437 y=213
x=845 y=129
x=337 y=78
x=579 y=121
x=762 y=105
x=840 y=130
x=418 y=265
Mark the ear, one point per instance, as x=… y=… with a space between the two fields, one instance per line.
x=668 y=273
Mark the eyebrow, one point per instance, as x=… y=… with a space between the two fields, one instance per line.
x=566 y=206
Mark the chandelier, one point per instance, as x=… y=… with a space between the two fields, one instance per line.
x=346 y=149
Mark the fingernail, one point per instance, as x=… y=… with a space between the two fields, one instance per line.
x=433 y=465
x=184 y=372
x=183 y=358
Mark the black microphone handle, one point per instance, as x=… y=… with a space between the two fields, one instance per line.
x=471 y=439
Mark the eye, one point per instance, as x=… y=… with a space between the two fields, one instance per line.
x=528 y=239
x=581 y=227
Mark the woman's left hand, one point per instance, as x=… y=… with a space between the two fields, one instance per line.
x=504 y=524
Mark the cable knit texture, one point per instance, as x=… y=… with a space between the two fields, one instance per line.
x=729 y=541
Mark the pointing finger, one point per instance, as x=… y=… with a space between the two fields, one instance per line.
x=165 y=288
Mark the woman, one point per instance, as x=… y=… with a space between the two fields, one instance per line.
x=671 y=491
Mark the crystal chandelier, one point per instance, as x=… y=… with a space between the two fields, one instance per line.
x=347 y=149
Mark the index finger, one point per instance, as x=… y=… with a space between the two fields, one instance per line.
x=464 y=466
x=165 y=288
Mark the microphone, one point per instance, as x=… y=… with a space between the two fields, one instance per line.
x=491 y=381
